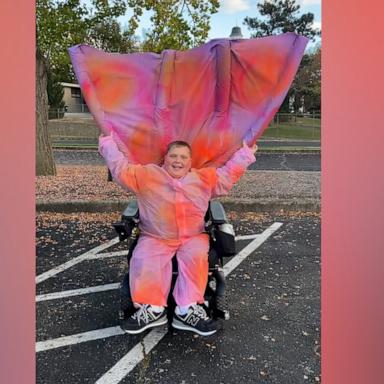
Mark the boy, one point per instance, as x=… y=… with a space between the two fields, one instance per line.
x=172 y=200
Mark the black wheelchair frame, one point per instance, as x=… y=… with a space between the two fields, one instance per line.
x=222 y=244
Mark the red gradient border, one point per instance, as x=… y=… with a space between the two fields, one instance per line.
x=17 y=165
x=353 y=192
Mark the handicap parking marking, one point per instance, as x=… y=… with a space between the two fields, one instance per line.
x=247 y=237
x=96 y=254
x=77 y=292
x=105 y=287
x=78 y=338
x=133 y=357
x=128 y=362
x=70 y=263
x=252 y=246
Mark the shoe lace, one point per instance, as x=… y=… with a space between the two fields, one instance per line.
x=200 y=312
x=142 y=314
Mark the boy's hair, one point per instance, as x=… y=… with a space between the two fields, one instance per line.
x=178 y=143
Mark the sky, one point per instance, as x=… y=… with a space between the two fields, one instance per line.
x=230 y=14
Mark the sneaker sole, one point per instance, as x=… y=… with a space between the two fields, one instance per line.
x=156 y=323
x=183 y=327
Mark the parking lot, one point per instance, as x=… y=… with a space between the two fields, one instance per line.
x=273 y=284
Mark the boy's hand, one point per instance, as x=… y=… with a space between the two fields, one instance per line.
x=253 y=148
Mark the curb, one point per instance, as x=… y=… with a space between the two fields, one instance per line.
x=239 y=205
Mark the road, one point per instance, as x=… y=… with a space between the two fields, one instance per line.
x=271 y=337
x=265 y=161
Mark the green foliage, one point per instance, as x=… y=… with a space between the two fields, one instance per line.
x=108 y=36
x=63 y=23
x=306 y=87
x=55 y=91
x=176 y=24
x=281 y=16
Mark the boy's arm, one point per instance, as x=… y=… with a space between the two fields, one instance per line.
x=233 y=169
x=124 y=173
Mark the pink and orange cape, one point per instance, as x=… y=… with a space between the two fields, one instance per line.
x=212 y=96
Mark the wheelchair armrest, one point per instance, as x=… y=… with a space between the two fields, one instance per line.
x=131 y=212
x=216 y=213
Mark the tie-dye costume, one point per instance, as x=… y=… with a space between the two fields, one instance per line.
x=212 y=97
x=171 y=219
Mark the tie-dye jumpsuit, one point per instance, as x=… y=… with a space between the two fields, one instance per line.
x=171 y=221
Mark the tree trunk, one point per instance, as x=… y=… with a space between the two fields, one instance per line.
x=45 y=164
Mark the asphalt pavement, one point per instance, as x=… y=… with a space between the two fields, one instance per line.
x=274 y=294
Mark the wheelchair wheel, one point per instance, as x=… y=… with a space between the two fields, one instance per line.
x=215 y=296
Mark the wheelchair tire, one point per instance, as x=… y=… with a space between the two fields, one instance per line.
x=216 y=298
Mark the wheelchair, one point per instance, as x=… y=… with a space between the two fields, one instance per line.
x=222 y=244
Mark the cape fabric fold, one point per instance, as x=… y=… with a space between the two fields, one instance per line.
x=212 y=96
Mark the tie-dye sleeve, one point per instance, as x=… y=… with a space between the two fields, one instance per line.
x=124 y=173
x=233 y=169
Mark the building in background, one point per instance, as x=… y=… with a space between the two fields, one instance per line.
x=73 y=99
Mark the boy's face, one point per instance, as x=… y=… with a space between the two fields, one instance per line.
x=178 y=161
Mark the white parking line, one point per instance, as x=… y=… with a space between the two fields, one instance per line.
x=77 y=292
x=246 y=237
x=235 y=261
x=106 y=255
x=94 y=254
x=70 y=263
x=125 y=365
x=133 y=357
x=113 y=331
x=99 y=288
x=78 y=338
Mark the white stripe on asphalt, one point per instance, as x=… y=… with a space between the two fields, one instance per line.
x=114 y=374
x=109 y=254
x=78 y=338
x=77 y=292
x=246 y=237
x=125 y=365
x=106 y=287
x=133 y=357
x=235 y=261
x=70 y=263
x=94 y=255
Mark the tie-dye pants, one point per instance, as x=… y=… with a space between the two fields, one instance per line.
x=150 y=270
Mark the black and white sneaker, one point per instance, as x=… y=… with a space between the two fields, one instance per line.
x=195 y=320
x=145 y=317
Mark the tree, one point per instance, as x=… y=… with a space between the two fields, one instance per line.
x=59 y=25
x=55 y=91
x=63 y=23
x=306 y=86
x=107 y=35
x=177 y=24
x=44 y=157
x=281 y=16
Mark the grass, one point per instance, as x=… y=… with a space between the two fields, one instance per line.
x=292 y=131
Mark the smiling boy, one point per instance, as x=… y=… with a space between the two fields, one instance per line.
x=172 y=200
